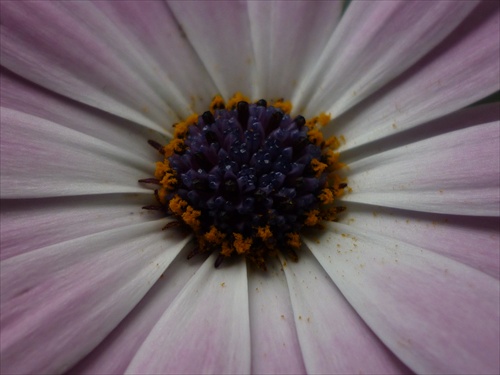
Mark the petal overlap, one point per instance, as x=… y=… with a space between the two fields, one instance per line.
x=436 y=314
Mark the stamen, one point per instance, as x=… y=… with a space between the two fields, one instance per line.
x=156 y=145
x=153 y=208
x=172 y=224
x=150 y=181
x=193 y=253
x=219 y=260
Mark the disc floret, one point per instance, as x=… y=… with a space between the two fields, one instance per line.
x=246 y=178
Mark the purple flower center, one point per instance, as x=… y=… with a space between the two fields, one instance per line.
x=247 y=179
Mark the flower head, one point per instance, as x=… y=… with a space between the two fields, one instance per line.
x=407 y=280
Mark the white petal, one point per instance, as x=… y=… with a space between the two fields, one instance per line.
x=116 y=351
x=24 y=96
x=333 y=337
x=205 y=329
x=460 y=71
x=220 y=34
x=32 y=224
x=453 y=173
x=375 y=42
x=464 y=118
x=275 y=346
x=288 y=37
x=449 y=235
x=59 y=302
x=44 y=159
x=437 y=315
x=126 y=58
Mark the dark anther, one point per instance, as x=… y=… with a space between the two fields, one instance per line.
x=200 y=184
x=153 y=208
x=275 y=120
x=193 y=253
x=230 y=186
x=208 y=118
x=261 y=103
x=300 y=121
x=219 y=106
x=243 y=113
x=342 y=185
x=201 y=160
x=157 y=195
x=172 y=224
x=157 y=146
x=150 y=181
x=219 y=260
x=211 y=137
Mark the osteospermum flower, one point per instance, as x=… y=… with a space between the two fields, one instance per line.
x=405 y=279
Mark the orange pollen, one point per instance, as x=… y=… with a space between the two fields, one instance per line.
x=284 y=105
x=227 y=249
x=315 y=136
x=294 y=240
x=238 y=97
x=326 y=196
x=181 y=128
x=162 y=195
x=214 y=236
x=318 y=167
x=217 y=103
x=175 y=145
x=190 y=217
x=312 y=218
x=242 y=245
x=176 y=205
x=264 y=233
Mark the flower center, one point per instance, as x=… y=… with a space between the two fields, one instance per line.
x=247 y=178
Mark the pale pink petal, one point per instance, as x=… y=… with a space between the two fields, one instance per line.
x=125 y=61
x=464 y=118
x=30 y=224
x=461 y=70
x=114 y=354
x=449 y=235
x=453 y=173
x=43 y=159
x=24 y=96
x=375 y=42
x=206 y=328
x=436 y=314
x=220 y=33
x=333 y=337
x=275 y=347
x=288 y=37
x=151 y=30
x=59 y=302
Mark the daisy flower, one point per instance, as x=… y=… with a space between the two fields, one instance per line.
x=404 y=280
